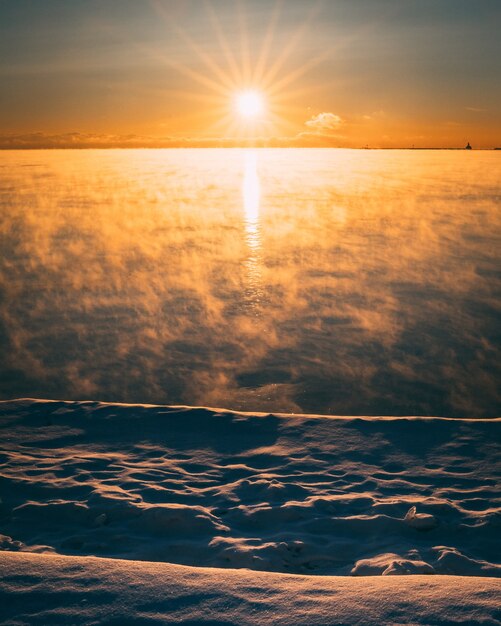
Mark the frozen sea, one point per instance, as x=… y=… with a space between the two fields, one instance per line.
x=344 y=282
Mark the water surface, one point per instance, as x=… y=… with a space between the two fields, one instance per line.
x=309 y=280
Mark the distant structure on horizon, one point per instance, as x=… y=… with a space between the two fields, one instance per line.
x=468 y=147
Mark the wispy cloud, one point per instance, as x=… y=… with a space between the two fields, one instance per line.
x=324 y=122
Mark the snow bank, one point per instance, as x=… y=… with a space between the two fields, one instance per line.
x=47 y=590
x=282 y=493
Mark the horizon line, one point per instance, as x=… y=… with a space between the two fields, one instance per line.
x=5 y=148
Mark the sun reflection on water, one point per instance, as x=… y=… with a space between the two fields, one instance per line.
x=251 y=193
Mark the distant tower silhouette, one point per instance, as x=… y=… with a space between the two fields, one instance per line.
x=468 y=147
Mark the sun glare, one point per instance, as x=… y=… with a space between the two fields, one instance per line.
x=249 y=104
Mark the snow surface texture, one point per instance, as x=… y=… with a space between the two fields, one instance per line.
x=291 y=494
x=45 y=590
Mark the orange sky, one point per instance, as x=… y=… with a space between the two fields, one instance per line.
x=383 y=73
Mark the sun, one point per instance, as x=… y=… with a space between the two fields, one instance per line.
x=249 y=104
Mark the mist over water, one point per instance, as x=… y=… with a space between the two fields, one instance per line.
x=295 y=280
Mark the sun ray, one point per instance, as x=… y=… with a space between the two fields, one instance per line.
x=205 y=58
x=267 y=42
x=235 y=71
x=293 y=43
x=297 y=73
x=200 y=78
x=244 y=43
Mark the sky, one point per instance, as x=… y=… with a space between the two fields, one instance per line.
x=348 y=73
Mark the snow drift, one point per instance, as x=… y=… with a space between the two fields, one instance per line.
x=49 y=590
x=281 y=493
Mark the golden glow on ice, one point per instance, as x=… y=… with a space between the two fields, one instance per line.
x=259 y=271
